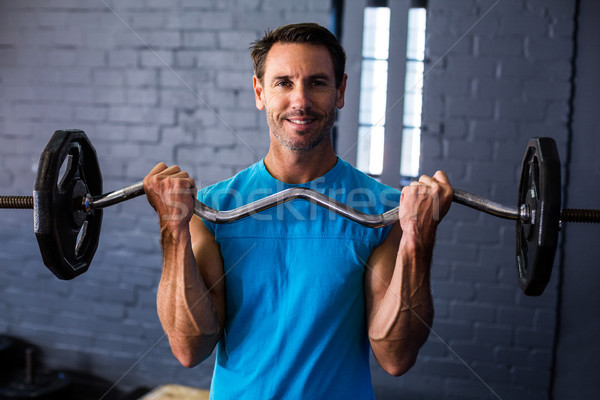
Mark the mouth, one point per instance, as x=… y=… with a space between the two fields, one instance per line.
x=300 y=123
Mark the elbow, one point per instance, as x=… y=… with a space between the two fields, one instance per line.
x=191 y=353
x=189 y=357
x=186 y=360
x=396 y=357
x=400 y=367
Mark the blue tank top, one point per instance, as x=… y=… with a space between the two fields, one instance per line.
x=295 y=325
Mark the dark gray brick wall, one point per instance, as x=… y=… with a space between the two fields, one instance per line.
x=170 y=81
x=577 y=353
x=498 y=74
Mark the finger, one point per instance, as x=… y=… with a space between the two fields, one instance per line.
x=161 y=166
x=172 y=170
x=439 y=180
x=414 y=190
x=174 y=173
x=441 y=177
x=182 y=180
x=185 y=182
x=426 y=180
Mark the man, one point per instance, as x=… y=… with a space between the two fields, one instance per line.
x=294 y=296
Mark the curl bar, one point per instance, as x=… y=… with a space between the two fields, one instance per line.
x=68 y=214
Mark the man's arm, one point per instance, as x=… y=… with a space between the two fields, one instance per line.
x=191 y=292
x=397 y=279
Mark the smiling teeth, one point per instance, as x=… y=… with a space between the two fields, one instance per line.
x=300 y=122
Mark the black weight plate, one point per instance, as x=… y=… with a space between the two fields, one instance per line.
x=539 y=192
x=67 y=235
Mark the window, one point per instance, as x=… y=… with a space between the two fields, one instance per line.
x=413 y=97
x=388 y=52
x=373 y=89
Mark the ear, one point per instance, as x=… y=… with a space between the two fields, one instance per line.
x=258 y=93
x=341 y=91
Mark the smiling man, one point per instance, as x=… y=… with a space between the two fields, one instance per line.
x=297 y=87
x=294 y=298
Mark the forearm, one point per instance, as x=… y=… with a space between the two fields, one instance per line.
x=185 y=307
x=404 y=314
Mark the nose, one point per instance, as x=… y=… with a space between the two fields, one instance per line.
x=301 y=98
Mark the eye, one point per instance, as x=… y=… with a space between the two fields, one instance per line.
x=283 y=83
x=319 y=82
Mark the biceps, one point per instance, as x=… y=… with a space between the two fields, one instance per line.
x=380 y=269
x=210 y=263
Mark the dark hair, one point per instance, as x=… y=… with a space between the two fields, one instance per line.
x=310 y=33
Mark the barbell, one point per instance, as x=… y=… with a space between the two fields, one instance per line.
x=68 y=205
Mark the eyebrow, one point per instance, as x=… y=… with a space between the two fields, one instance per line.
x=315 y=76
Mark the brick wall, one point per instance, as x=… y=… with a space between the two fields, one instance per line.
x=148 y=81
x=170 y=81
x=498 y=74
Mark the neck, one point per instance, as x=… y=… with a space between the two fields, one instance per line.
x=295 y=167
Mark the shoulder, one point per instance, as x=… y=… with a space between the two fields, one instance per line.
x=213 y=195
x=361 y=187
x=360 y=178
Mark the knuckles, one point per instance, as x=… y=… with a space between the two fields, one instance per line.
x=163 y=182
x=428 y=194
x=170 y=191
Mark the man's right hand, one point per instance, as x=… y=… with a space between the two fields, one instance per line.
x=171 y=192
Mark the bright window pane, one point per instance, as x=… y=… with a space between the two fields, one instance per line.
x=411 y=151
x=413 y=98
x=415 y=43
x=373 y=92
x=376 y=33
x=373 y=89
x=370 y=149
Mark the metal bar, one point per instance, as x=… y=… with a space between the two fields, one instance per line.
x=580 y=215
x=375 y=221
x=118 y=196
x=371 y=220
x=222 y=217
x=25 y=202
x=487 y=206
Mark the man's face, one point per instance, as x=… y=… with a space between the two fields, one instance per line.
x=299 y=95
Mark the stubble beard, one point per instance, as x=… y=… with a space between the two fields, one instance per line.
x=278 y=131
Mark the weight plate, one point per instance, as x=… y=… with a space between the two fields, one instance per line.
x=539 y=194
x=67 y=235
